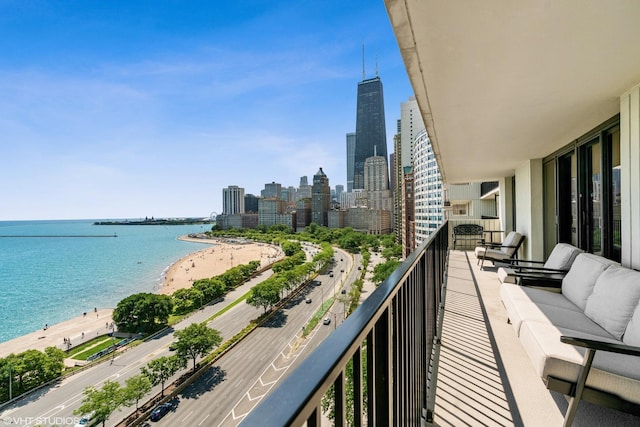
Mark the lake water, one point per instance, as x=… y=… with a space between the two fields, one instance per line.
x=46 y=280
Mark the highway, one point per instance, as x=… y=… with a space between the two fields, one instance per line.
x=241 y=378
x=235 y=384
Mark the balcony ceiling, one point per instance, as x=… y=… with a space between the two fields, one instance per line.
x=501 y=82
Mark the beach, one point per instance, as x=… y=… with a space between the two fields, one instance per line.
x=222 y=255
x=213 y=260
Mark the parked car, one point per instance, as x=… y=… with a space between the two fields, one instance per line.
x=326 y=321
x=160 y=411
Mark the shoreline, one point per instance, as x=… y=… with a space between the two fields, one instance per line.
x=213 y=260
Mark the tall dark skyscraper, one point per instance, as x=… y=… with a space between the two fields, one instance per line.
x=371 y=134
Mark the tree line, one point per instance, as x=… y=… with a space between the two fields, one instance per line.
x=25 y=371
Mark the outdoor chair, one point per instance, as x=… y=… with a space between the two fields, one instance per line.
x=500 y=252
x=547 y=273
x=468 y=232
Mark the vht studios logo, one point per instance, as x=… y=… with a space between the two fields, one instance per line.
x=43 y=421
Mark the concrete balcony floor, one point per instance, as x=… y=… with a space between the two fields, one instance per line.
x=485 y=377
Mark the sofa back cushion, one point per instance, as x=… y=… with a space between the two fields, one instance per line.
x=562 y=256
x=614 y=299
x=632 y=334
x=578 y=284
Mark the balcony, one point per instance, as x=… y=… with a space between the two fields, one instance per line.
x=484 y=376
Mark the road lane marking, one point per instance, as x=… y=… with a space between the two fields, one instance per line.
x=188 y=415
x=204 y=419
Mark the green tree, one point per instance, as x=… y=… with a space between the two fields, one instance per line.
x=384 y=270
x=196 y=340
x=143 y=312
x=101 y=403
x=264 y=294
x=161 y=369
x=136 y=387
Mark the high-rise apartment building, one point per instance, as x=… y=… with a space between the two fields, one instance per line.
x=232 y=200
x=376 y=178
x=251 y=203
x=320 y=198
x=371 y=136
x=351 y=153
x=272 y=190
x=427 y=188
x=409 y=126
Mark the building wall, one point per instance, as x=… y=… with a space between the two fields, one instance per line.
x=529 y=208
x=269 y=209
x=233 y=200
x=427 y=189
x=630 y=176
x=337 y=219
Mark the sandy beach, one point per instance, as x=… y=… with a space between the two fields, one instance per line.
x=215 y=260
x=208 y=262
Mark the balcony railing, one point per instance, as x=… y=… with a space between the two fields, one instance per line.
x=382 y=352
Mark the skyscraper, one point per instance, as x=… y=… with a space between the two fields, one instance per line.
x=320 y=198
x=351 y=152
x=232 y=200
x=371 y=135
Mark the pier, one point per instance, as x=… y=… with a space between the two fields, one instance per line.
x=58 y=235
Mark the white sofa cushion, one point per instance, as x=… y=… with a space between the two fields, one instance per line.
x=615 y=296
x=632 y=334
x=524 y=311
x=616 y=373
x=562 y=256
x=578 y=284
x=506 y=275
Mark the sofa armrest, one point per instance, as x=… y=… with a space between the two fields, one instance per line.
x=592 y=346
x=517 y=262
x=534 y=269
x=601 y=345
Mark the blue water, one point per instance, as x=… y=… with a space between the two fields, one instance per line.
x=46 y=280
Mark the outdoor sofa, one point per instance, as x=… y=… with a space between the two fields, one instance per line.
x=584 y=341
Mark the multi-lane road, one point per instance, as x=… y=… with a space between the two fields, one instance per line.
x=237 y=381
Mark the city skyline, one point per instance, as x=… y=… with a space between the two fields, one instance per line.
x=150 y=109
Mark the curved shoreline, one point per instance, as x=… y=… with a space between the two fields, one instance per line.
x=200 y=264
x=214 y=261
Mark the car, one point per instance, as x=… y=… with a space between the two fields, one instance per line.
x=342 y=270
x=340 y=259
x=344 y=291
x=326 y=321
x=308 y=300
x=172 y=346
x=160 y=411
x=331 y=274
x=359 y=267
x=85 y=421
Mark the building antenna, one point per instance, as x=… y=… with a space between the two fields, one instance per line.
x=363 y=74
x=376 y=63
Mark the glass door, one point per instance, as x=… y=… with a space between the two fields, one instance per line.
x=567 y=200
x=590 y=197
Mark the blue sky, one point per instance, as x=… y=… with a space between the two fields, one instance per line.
x=126 y=109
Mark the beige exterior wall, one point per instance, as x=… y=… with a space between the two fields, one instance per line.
x=630 y=176
x=529 y=212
